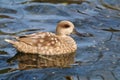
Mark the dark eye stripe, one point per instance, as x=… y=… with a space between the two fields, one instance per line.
x=66 y=26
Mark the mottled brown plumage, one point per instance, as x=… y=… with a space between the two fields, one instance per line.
x=46 y=42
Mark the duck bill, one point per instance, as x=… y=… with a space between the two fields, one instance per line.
x=82 y=34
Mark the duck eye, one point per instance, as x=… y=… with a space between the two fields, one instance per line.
x=66 y=26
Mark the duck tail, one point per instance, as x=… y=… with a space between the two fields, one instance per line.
x=10 y=41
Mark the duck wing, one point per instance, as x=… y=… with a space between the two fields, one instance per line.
x=40 y=38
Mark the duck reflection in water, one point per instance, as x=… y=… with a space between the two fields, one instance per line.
x=46 y=49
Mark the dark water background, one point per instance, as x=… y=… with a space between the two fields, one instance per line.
x=97 y=58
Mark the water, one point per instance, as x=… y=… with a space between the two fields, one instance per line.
x=95 y=56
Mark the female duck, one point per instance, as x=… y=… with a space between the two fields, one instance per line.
x=48 y=43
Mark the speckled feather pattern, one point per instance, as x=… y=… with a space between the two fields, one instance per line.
x=46 y=43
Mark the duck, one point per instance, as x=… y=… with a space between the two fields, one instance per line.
x=48 y=43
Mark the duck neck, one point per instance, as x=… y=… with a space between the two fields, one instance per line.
x=61 y=35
